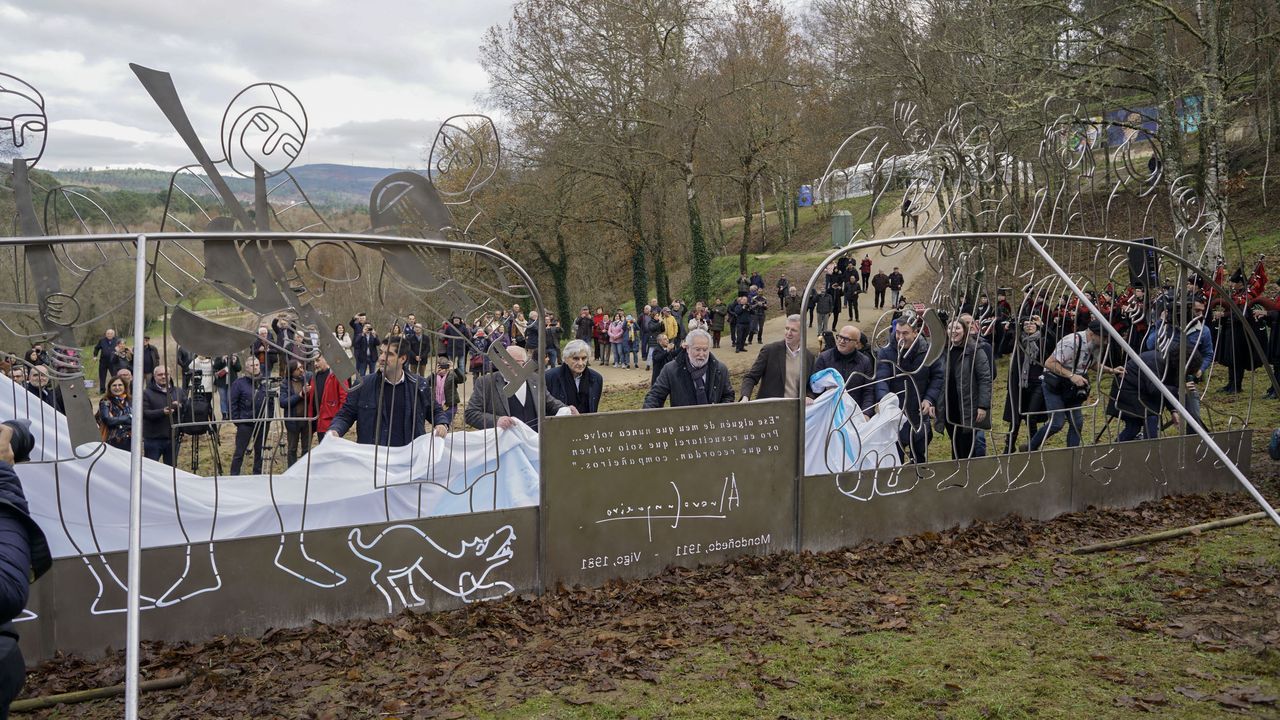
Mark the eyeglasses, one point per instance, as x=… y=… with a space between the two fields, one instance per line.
x=842 y=338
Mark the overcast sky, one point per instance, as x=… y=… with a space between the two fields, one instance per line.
x=375 y=76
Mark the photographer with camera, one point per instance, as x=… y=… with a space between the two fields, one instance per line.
x=296 y=401
x=251 y=396
x=162 y=403
x=1066 y=382
x=24 y=556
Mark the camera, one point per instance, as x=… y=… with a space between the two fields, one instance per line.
x=22 y=442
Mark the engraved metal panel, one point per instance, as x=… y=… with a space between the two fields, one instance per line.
x=627 y=494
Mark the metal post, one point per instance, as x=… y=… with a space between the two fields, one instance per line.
x=1151 y=375
x=132 y=640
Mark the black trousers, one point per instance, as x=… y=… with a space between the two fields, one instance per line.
x=962 y=441
x=301 y=436
x=740 y=330
x=255 y=431
x=13 y=673
x=879 y=298
x=852 y=309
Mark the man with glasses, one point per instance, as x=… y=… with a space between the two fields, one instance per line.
x=490 y=407
x=40 y=387
x=162 y=403
x=782 y=367
x=850 y=358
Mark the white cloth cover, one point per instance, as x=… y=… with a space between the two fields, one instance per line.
x=82 y=502
x=839 y=439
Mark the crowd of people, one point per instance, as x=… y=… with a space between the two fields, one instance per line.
x=409 y=382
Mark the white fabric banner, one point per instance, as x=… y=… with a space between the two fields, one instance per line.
x=82 y=501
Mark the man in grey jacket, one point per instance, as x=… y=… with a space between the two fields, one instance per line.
x=489 y=406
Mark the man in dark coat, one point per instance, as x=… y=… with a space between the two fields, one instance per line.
x=896 y=281
x=162 y=403
x=105 y=351
x=38 y=385
x=489 y=406
x=901 y=369
x=782 y=368
x=24 y=556
x=740 y=318
x=391 y=407
x=695 y=377
x=881 y=283
x=365 y=349
x=850 y=358
x=575 y=384
x=584 y=325
x=251 y=410
x=150 y=356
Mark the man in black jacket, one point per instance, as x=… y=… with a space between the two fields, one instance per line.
x=782 y=368
x=693 y=378
x=39 y=386
x=252 y=411
x=850 y=358
x=365 y=347
x=150 y=357
x=573 y=383
x=391 y=407
x=162 y=403
x=740 y=320
x=24 y=556
x=105 y=351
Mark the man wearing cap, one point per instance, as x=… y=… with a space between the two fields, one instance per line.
x=1066 y=382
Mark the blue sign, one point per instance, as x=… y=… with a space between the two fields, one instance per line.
x=805 y=196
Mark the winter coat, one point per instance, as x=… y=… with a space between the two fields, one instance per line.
x=858 y=370
x=972 y=381
x=248 y=399
x=363 y=408
x=296 y=403
x=880 y=281
x=116 y=414
x=156 y=423
x=589 y=388
x=582 y=328
x=676 y=382
x=715 y=322
x=909 y=377
x=331 y=400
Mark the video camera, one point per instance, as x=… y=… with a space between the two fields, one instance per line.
x=22 y=442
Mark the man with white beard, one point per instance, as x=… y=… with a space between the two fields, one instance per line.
x=695 y=377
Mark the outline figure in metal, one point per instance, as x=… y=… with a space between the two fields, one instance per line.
x=461 y=582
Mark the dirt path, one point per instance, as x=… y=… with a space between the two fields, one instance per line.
x=910 y=259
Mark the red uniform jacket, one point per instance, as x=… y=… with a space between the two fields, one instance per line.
x=335 y=394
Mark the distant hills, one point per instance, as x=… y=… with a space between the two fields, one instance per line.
x=326 y=184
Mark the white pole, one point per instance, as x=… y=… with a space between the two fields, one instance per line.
x=132 y=640
x=1151 y=375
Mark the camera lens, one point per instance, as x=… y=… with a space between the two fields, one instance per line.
x=22 y=441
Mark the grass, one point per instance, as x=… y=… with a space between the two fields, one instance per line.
x=1040 y=637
